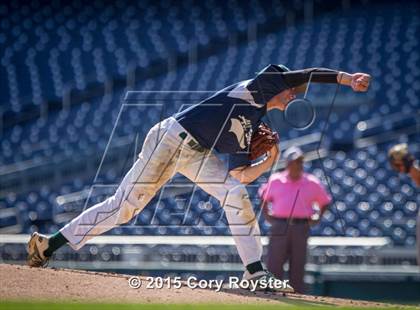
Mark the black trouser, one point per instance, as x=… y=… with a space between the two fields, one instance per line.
x=288 y=242
x=418 y=238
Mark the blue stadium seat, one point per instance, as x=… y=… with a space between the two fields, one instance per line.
x=82 y=45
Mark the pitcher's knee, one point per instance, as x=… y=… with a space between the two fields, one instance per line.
x=134 y=201
x=125 y=206
x=238 y=202
x=127 y=212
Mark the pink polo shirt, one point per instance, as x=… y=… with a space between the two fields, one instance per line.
x=282 y=192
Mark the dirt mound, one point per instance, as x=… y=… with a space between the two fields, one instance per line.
x=25 y=283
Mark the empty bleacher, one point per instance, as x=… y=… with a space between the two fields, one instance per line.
x=53 y=52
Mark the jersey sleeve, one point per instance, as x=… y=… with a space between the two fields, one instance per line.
x=316 y=75
x=273 y=79
x=267 y=84
x=238 y=160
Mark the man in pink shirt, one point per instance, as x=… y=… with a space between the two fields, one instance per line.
x=289 y=199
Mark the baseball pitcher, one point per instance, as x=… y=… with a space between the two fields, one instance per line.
x=228 y=122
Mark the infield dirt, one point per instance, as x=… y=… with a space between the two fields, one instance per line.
x=34 y=284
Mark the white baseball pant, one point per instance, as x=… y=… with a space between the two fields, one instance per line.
x=165 y=153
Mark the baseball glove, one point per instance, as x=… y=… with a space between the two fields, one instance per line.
x=399 y=157
x=262 y=141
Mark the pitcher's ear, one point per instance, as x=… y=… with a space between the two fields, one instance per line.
x=301 y=88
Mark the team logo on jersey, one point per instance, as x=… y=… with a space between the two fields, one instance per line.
x=242 y=128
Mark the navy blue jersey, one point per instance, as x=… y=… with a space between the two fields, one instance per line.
x=225 y=121
x=222 y=122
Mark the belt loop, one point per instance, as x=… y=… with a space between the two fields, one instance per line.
x=191 y=143
x=183 y=135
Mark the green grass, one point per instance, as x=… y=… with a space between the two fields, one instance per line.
x=92 y=306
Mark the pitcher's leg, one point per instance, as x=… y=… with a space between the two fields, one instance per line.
x=212 y=176
x=129 y=199
x=242 y=223
x=154 y=167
